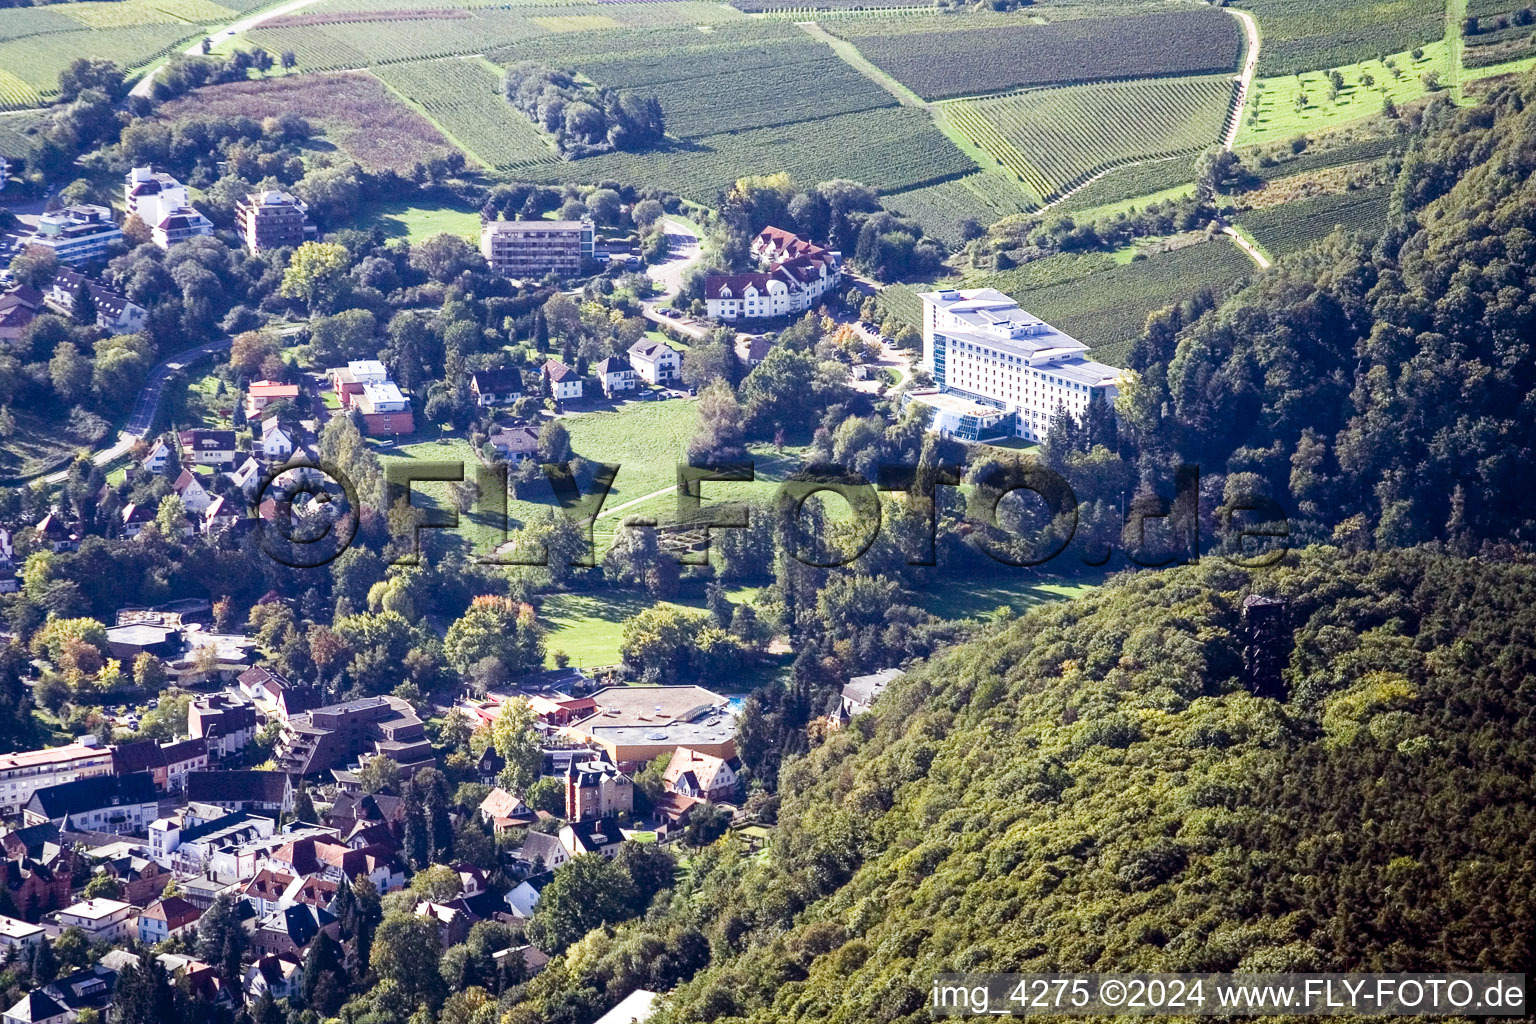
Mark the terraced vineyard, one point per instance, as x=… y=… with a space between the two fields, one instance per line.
x=1304 y=35
x=811 y=82
x=1051 y=139
x=943 y=58
x=464 y=97
x=36 y=60
x=1105 y=303
x=944 y=209
x=1292 y=227
x=889 y=149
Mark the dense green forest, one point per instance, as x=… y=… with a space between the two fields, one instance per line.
x=1380 y=390
x=1094 y=788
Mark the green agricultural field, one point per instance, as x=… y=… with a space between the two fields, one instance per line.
x=1131 y=182
x=590 y=627
x=361 y=43
x=1105 y=303
x=1284 y=107
x=463 y=96
x=811 y=82
x=1291 y=227
x=950 y=59
x=889 y=149
x=944 y=209
x=1303 y=35
x=1051 y=139
x=37 y=60
x=417 y=223
x=1321 y=157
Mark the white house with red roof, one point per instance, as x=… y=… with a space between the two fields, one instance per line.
x=796 y=274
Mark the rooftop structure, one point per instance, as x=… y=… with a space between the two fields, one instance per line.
x=978 y=343
x=534 y=248
x=273 y=219
x=77 y=233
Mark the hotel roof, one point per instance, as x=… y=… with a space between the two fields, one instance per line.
x=995 y=321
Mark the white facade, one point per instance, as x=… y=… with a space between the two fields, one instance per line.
x=101 y=920
x=77 y=233
x=655 y=362
x=18 y=934
x=276 y=441
x=978 y=344
x=25 y=772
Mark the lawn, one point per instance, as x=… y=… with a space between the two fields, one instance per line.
x=1291 y=105
x=417 y=222
x=589 y=626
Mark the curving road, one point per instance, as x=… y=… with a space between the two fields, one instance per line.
x=144 y=84
x=145 y=406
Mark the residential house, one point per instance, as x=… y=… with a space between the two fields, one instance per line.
x=247 y=476
x=209 y=447
x=226 y=723
x=515 y=443
x=166 y=763
x=496 y=387
x=454 y=919
x=636 y=1008
x=139 y=878
x=523 y=897
x=534 y=959
x=101 y=920
x=503 y=810
x=534 y=248
x=564 y=382
x=279 y=975
x=861 y=691
x=188 y=842
x=90 y=989
x=703 y=776
x=160 y=455
x=77 y=233
x=110 y=803
x=20 y=935
x=168 y=916
x=277 y=441
x=656 y=362
x=353 y=811
x=57 y=534
x=262 y=792
x=291 y=930
x=339 y=863
x=615 y=375
x=18 y=308
x=597 y=789
x=220 y=515
x=191 y=491
x=600 y=835
x=385 y=410
x=114 y=313
x=752 y=349
x=262 y=393
x=796 y=274
x=265 y=891
x=543 y=852
x=348 y=381
x=37 y=1007
x=273 y=219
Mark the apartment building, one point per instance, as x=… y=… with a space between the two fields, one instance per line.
x=333 y=736
x=273 y=219
x=1001 y=371
x=77 y=233
x=162 y=203
x=365 y=384
x=597 y=789
x=108 y=803
x=534 y=248
x=655 y=362
x=25 y=772
x=101 y=920
x=795 y=274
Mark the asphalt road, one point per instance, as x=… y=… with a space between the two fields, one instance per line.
x=145 y=406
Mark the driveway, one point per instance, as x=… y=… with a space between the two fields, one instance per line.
x=683 y=251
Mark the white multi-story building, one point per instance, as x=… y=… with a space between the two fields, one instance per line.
x=1000 y=370
x=25 y=772
x=114 y=313
x=101 y=920
x=77 y=233
x=796 y=274
x=161 y=202
x=533 y=248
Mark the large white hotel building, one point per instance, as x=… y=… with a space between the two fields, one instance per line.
x=999 y=370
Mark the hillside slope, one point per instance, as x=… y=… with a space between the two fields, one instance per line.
x=1093 y=788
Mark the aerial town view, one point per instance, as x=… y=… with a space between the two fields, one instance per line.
x=766 y=511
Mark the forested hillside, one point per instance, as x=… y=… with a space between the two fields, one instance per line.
x=1382 y=393
x=1094 y=788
